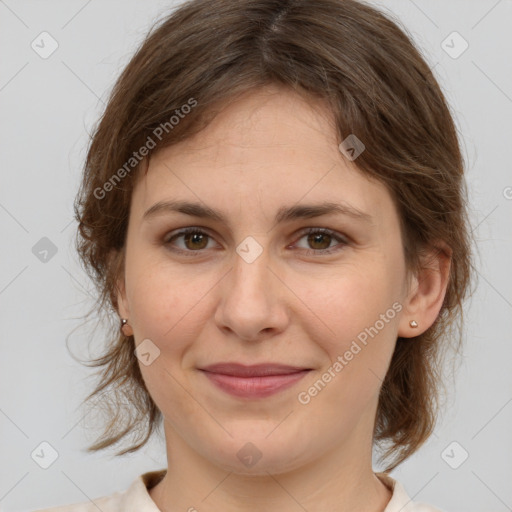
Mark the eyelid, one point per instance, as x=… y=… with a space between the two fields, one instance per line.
x=342 y=240
x=339 y=237
x=335 y=234
x=177 y=233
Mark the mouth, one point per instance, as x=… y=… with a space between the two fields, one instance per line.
x=256 y=381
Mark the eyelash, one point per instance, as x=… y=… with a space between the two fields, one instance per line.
x=309 y=252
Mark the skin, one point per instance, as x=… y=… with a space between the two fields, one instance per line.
x=269 y=149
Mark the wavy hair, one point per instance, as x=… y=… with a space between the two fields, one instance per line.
x=376 y=84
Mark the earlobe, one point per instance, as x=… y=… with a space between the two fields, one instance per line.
x=126 y=329
x=117 y=259
x=426 y=293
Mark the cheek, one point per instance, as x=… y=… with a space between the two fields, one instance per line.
x=162 y=298
x=345 y=307
x=164 y=308
x=154 y=305
x=362 y=333
x=355 y=326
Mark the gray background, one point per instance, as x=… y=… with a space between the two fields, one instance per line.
x=47 y=108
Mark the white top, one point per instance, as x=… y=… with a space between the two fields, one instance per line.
x=137 y=499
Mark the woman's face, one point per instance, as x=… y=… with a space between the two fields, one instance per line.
x=257 y=288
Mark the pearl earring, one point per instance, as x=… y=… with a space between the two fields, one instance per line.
x=413 y=324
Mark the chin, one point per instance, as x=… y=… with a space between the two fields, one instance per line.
x=260 y=456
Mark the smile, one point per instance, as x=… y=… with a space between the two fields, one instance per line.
x=254 y=387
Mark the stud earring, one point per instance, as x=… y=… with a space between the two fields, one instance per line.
x=413 y=324
x=125 y=328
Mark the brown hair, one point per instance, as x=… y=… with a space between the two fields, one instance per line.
x=377 y=86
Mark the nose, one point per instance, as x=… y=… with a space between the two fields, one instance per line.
x=252 y=304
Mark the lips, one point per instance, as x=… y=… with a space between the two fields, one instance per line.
x=258 y=370
x=255 y=381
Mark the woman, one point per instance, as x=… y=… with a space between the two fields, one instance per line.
x=273 y=203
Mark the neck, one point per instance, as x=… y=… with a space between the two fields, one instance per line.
x=340 y=480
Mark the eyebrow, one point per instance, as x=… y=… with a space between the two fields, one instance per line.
x=284 y=214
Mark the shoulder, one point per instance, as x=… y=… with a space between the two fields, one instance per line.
x=135 y=498
x=105 y=504
x=400 y=500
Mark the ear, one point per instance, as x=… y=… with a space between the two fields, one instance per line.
x=116 y=260
x=426 y=293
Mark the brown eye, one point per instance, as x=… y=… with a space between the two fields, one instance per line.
x=319 y=241
x=193 y=241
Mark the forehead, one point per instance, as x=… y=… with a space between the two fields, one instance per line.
x=268 y=148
